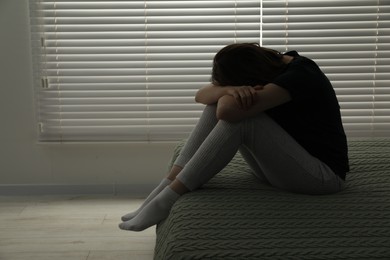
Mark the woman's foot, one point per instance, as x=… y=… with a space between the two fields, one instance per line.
x=165 y=182
x=155 y=211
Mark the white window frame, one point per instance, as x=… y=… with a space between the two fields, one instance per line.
x=128 y=70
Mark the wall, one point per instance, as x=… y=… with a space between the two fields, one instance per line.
x=27 y=167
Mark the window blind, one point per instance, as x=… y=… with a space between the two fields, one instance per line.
x=350 y=41
x=128 y=70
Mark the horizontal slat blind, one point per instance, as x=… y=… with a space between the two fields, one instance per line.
x=129 y=70
x=350 y=40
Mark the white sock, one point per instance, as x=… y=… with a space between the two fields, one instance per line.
x=157 y=210
x=165 y=182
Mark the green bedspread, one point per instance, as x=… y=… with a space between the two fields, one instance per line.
x=236 y=217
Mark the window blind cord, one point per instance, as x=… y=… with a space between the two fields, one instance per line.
x=235 y=21
x=59 y=92
x=147 y=94
x=373 y=114
x=286 y=26
x=261 y=24
x=43 y=74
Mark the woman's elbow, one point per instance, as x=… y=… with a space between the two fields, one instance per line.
x=202 y=98
x=198 y=98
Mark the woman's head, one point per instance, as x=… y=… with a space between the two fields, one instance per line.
x=246 y=64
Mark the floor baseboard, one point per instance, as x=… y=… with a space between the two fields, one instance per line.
x=135 y=190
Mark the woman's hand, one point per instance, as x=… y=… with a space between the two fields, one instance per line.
x=245 y=96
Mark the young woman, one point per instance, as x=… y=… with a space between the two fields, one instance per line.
x=279 y=110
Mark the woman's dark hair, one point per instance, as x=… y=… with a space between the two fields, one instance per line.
x=246 y=64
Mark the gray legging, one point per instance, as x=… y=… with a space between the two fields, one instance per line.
x=273 y=155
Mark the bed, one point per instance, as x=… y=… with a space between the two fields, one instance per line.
x=236 y=217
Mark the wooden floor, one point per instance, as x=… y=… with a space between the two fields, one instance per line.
x=71 y=228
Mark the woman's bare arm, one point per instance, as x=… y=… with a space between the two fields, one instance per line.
x=244 y=95
x=210 y=94
x=271 y=95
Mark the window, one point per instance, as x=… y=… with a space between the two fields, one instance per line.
x=128 y=70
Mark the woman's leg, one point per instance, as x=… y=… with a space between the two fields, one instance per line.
x=251 y=160
x=283 y=162
x=212 y=156
x=274 y=156
x=206 y=123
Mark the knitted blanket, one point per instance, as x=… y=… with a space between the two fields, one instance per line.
x=236 y=217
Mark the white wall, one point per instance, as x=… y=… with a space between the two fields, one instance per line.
x=28 y=167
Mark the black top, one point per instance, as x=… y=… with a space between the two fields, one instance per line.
x=312 y=117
